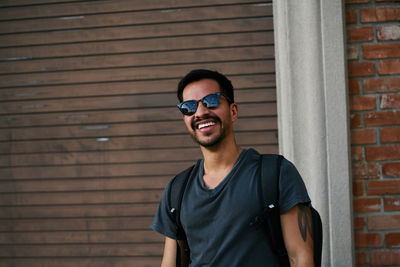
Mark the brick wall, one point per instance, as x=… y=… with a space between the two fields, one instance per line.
x=373 y=38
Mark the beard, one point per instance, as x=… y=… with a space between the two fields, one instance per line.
x=210 y=142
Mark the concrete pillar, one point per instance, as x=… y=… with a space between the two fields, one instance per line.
x=313 y=116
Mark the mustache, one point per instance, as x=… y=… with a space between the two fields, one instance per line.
x=206 y=117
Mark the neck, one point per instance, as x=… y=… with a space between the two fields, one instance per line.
x=221 y=156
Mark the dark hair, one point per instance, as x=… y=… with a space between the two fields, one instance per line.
x=200 y=74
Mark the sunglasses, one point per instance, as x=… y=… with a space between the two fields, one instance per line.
x=189 y=107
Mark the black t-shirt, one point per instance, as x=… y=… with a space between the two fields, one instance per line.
x=218 y=222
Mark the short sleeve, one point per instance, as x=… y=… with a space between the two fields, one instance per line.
x=292 y=190
x=163 y=221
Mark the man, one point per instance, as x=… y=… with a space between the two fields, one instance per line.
x=221 y=199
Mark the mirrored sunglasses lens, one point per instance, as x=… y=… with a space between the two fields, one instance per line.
x=188 y=107
x=211 y=101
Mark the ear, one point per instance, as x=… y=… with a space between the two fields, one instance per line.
x=234 y=111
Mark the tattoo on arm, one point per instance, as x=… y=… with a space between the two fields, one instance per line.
x=304 y=221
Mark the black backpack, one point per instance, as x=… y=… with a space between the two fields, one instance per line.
x=269 y=220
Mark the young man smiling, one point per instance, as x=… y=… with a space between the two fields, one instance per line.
x=221 y=197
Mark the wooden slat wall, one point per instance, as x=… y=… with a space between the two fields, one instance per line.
x=89 y=132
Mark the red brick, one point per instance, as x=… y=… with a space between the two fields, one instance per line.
x=352 y=52
x=392 y=203
x=361 y=68
x=356 y=120
x=351 y=16
x=383 y=187
x=361 y=258
x=354 y=86
x=359 y=103
x=360 y=34
x=377 y=14
x=367 y=204
x=382 y=152
x=389 y=84
x=363 y=136
x=359 y=223
x=390 y=101
x=381 y=50
x=358 y=188
x=391 y=169
x=356 y=153
x=390 y=135
x=384 y=222
x=389 y=67
x=382 y=118
x=368 y=240
x=389 y=32
x=365 y=170
x=392 y=240
x=385 y=257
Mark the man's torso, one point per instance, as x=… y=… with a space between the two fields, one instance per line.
x=218 y=222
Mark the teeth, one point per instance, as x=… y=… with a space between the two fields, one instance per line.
x=205 y=124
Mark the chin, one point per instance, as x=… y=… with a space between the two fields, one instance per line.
x=209 y=142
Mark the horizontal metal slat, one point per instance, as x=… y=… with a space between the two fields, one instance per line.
x=93 y=7
x=124 y=143
x=127 y=74
x=123 y=129
x=155 y=86
x=83 y=250
x=140 y=17
x=138 y=59
x=78 y=211
x=137 y=45
x=137 y=32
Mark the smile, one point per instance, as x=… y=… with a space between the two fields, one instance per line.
x=207 y=124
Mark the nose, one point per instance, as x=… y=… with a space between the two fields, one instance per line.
x=201 y=110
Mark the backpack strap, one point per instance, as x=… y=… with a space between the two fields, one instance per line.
x=269 y=191
x=270 y=219
x=269 y=179
x=175 y=196
x=317 y=234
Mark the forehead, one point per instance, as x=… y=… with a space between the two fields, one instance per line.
x=199 y=89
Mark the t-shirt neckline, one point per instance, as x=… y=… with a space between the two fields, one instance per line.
x=227 y=177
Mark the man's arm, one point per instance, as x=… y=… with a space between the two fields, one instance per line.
x=297 y=234
x=169 y=256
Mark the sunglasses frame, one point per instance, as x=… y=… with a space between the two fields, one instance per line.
x=205 y=104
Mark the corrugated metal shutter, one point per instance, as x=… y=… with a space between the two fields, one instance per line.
x=89 y=132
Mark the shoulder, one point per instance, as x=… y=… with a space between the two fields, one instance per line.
x=177 y=185
x=284 y=164
x=267 y=156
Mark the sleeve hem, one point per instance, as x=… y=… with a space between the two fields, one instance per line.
x=293 y=203
x=156 y=228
